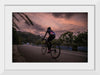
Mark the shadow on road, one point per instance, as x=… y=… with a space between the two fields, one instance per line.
x=29 y=53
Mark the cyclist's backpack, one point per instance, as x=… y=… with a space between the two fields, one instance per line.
x=52 y=33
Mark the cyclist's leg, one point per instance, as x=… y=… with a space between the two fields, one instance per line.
x=52 y=37
x=49 y=42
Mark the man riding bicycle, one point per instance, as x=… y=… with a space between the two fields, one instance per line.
x=50 y=38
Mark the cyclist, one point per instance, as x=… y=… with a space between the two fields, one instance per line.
x=50 y=38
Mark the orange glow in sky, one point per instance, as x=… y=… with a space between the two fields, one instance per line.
x=59 y=22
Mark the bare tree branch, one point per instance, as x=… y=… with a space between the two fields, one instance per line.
x=28 y=19
x=15 y=17
x=15 y=25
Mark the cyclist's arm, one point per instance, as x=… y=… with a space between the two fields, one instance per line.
x=45 y=34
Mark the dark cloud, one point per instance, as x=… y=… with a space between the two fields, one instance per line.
x=38 y=27
x=69 y=15
x=60 y=31
x=35 y=27
x=72 y=28
x=76 y=28
x=62 y=15
x=57 y=14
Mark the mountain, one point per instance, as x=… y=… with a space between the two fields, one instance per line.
x=24 y=37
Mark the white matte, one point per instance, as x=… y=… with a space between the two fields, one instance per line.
x=1 y=37
x=47 y=66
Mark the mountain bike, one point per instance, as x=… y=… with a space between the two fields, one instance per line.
x=55 y=49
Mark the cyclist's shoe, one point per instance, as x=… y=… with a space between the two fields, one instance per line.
x=49 y=51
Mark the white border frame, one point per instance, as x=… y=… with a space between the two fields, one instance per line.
x=48 y=66
x=96 y=3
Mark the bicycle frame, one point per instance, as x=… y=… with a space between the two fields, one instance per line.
x=54 y=50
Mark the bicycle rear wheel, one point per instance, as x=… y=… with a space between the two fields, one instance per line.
x=43 y=49
x=55 y=51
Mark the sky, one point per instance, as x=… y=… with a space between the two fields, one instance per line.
x=59 y=22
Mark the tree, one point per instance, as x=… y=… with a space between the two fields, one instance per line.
x=74 y=40
x=16 y=38
x=67 y=38
x=28 y=21
x=81 y=39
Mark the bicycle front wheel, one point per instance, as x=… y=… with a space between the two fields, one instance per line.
x=43 y=49
x=55 y=51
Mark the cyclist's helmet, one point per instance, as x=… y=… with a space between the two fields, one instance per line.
x=49 y=28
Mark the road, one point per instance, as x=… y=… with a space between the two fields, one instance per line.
x=33 y=54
